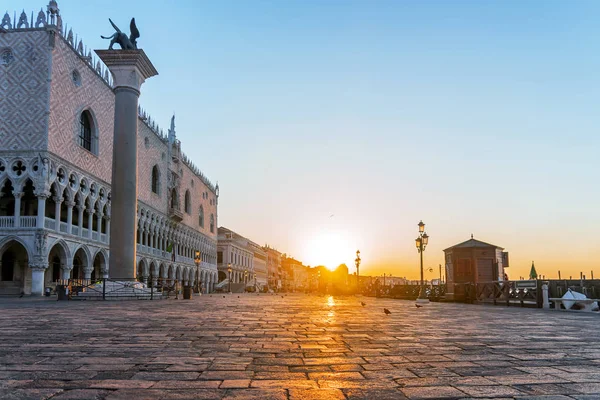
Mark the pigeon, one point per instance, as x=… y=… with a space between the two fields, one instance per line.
x=388 y=312
x=223 y=296
x=238 y=297
x=22 y=294
x=282 y=297
x=362 y=303
x=418 y=306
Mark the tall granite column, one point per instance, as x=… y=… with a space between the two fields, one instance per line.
x=129 y=68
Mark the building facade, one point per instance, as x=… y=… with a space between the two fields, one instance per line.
x=56 y=146
x=273 y=268
x=233 y=252
x=472 y=262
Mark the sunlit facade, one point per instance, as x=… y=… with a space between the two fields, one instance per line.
x=56 y=147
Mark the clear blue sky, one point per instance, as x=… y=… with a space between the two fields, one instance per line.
x=476 y=116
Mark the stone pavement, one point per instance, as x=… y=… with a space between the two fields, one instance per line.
x=296 y=347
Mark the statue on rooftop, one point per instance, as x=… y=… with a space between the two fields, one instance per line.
x=126 y=43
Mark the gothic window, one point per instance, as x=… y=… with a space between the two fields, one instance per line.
x=155 y=180
x=201 y=217
x=87 y=136
x=212 y=223
x=188 y=202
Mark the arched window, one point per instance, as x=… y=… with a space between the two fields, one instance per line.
x=155 y=180
x=201 y=217
x=87 y=137
x=212 y=223
x=188 y=202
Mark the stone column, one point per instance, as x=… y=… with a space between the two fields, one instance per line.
x=108 y=229
x=70 y=206
x=58 y=200
x=17 y=212
x=80 y=207
x=41 y=210
x=66 y=270
x=129 y=68
x=99 y=223
x=546 y=301
x=37 y=279
x=90 y=221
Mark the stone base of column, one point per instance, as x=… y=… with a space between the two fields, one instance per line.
x=37 y=282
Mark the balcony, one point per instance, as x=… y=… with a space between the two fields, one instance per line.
x=175 y=214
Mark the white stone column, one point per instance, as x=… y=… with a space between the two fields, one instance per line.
x=58 y=200
x=41 y=210
x=66 y=271
x=70 y=206
x=108 y=229
x=17 y=211
x=129 y=68
x=37 y=279
x=545 y=297
x=80 y=208
x=90 y=221
x=99 y=223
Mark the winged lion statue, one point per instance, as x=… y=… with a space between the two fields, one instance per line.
x=126 y=43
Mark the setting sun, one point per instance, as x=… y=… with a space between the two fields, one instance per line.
x=329 y=249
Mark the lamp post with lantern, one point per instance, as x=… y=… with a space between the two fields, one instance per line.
x=357 y=262
x=229 y=270
x=197 y=260
x=421 y=242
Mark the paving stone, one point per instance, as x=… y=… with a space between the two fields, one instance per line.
x=82 y=394
x=489 y=391
x=256 y=394
x=263 y=347
x=432 y=392
x=27 y=394
x=316 y=394
x=374 y=394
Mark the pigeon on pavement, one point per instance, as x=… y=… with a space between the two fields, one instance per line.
x=388 y=312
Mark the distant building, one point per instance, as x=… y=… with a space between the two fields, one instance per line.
x=232 y=250
x=294 y=276
x=273 y=268
x=473 y=262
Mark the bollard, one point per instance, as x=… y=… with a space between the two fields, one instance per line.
x=546 y=302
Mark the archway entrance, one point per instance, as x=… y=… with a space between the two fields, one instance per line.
x=13 y=263
x=57 y=259
x=79 y=264
x=99 y=266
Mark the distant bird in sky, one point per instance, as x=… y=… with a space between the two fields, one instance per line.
x=331 y=216
x=362 y=303
x=388 y=312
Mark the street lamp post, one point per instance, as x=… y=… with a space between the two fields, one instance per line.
x=255 y=288
x=197 y=260
x=229 y=270
x=357 y=262
x=421 y=242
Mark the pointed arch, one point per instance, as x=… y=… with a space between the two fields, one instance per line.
x=188 y=202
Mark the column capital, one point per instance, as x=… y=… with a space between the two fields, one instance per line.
x=18 y=194
x=40 y=266
x=129 y=68
x=70 y=203
x=42 y=194
x=57 y=199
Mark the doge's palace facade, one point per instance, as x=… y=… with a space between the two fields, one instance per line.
x=56 y=138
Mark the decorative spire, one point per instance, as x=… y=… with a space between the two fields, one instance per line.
x=172 y=129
